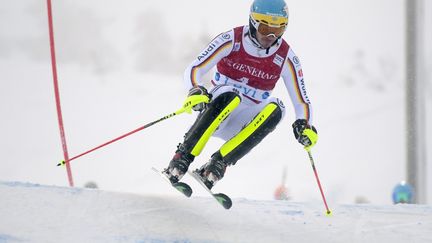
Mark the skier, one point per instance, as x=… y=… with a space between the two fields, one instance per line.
x=239 y=108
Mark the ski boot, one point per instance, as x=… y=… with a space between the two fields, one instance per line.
x=178 y=165
x=212 y=171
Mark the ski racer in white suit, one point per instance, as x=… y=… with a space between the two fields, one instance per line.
x=239 y=107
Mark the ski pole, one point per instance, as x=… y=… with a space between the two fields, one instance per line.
x=180 y=111
x=328 y=212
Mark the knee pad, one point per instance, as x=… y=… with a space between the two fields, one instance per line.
x=279 y=103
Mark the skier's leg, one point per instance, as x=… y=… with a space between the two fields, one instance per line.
x=225 y=100
x=239 y=145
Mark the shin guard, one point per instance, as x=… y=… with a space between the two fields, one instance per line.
x=209 y=120
x=264 y=123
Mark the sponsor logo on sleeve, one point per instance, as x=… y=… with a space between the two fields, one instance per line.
x=300 y=73
x=226 y=36
x=303 y=91
x=296 y=60
x=210 y=48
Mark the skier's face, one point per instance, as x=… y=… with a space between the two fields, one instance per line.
x=266 y=30
x=266 y=40
x=267 y=35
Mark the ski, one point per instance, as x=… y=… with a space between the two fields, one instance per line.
x=221 y=198
x=182 y=187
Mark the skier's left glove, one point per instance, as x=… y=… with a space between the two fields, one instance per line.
x=304 y=133
x=197 y=99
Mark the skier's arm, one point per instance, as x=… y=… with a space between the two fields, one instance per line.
x=218 y=48
x=292 y=75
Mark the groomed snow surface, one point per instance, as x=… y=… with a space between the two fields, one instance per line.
x=39 y=213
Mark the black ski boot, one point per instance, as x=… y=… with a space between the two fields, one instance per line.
x=213 y=171
x=178 y=165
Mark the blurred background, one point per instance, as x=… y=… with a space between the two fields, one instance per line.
x=120 y=66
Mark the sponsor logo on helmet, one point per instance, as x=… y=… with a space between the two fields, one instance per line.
x=272 y=19
x=286 y=10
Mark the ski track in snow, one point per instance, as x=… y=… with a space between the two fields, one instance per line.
x=40 y=213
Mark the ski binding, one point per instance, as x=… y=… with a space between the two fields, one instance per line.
x=221 y=198
x=182 y=187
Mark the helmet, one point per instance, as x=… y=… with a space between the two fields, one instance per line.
x=269 y=17
x=402 y=193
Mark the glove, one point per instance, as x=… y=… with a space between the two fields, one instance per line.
x=305 y=133
x=197 y=99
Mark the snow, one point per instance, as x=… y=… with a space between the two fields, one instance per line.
x=41 y=213
x=353 y=71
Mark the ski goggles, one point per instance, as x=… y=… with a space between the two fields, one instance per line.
x=269 y=25
x=268 y=30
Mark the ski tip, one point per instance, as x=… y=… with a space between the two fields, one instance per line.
x=224 y=200
x=227 y=206
x=183 y=188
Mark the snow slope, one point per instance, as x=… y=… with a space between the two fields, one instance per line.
x=355 y=82
x=40 y=213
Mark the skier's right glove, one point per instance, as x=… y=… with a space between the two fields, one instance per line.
x=304 y=133
x=197 y=99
